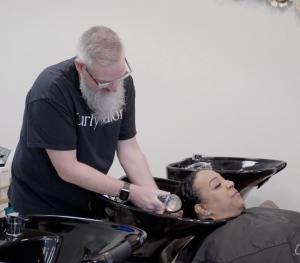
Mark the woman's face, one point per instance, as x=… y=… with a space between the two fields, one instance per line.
x=220 y=199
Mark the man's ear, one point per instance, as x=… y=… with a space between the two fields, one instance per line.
x=79 y=65
x=201 y=211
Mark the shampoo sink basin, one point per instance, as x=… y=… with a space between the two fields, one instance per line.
x=246 y=173
x=160 y=229
x=30 y=246
x=62 y=239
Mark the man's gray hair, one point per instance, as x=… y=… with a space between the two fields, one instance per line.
x=99 y=44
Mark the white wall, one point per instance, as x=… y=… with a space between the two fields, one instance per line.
x=216 y=77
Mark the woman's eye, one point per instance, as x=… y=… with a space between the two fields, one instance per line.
x=218 y=185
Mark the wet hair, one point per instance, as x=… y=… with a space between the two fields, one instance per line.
x=99 y=44
x=189 y=196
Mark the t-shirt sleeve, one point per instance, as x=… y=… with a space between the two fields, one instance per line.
x=50 y=125
x=128 y=129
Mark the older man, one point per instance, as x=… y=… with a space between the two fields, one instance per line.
x=78 y=114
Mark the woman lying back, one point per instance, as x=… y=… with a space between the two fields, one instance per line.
x=207 y=195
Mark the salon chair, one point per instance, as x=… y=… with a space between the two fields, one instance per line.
x=246 y=173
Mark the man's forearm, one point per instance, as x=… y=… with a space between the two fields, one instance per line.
x=77 y=173
x=82 y=175
x=135 y=164
x=137 y=169
x=93 y=180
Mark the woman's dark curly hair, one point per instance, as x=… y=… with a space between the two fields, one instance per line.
x=189 y=196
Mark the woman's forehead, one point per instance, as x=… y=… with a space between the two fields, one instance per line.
x=204 y=177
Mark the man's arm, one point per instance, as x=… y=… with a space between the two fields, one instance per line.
x=72 y=171
x=143 y=191
x=134 y=163
x=82 y=175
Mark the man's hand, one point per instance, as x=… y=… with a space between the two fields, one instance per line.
x=147 y=198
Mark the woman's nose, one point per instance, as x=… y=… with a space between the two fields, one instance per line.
x=230 y=184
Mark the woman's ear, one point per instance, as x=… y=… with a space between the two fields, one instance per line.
x=202 y=212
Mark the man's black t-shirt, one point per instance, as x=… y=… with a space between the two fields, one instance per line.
x=57 y=117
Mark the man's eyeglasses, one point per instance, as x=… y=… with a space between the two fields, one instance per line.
x=105 y=84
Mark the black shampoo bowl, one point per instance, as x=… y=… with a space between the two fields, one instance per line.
x=246 y=173
x=32 y=246
x=62 y=239
x=161 y=229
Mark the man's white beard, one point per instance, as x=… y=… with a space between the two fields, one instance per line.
x=103 y=104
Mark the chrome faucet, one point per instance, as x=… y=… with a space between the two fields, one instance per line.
x=15 y=223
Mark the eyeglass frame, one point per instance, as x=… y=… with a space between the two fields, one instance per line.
x=108 y=83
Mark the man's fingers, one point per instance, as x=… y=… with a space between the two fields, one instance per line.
x=162 y=193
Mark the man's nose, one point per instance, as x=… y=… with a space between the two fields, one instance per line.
x=113 y=87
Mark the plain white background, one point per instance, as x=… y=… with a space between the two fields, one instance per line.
x=217 y=77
